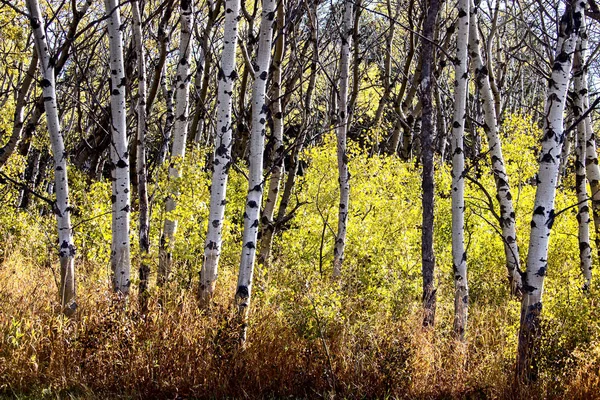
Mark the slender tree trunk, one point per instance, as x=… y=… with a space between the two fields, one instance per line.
x=427 y=135
x=581 y=104
x=144 y=217
x=182 y=91
x=255 y=181
x=459 y=254
x=298 y=146
x=62 y=209
x=543 y=209
x=503 y=193
x=222 y=156
x=591 y=158
x=583 y=210
x=278 y=153
x=343 y=122
x=120 y=254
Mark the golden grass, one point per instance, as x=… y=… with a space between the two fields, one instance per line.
x=110 y=351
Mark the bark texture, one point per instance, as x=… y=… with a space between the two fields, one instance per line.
x=62 y=209
x=182 y=91
x=459 y=254
x=428 y=185
x=222 y=155
x=503 y=192
x=120 y=248
x=142 y=187
x=260 y=110
x=343 y=122
x=543 y=211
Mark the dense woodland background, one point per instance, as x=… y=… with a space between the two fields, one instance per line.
x=352 y=199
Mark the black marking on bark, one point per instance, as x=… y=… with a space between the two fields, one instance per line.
x=121 y=163
x=242 y=292
x=250 y=245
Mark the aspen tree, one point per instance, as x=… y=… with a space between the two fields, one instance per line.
x=120 y=248
x=182 y=91
x=343 y=122
x=583 y=210
x=543 y=209
x=459 y=254
x=428 y=184
x=503 y=192
x=144 y=217
x=222 y=155
x=61 y=207
x=592 y=170
x=277 y=114
x=260 y=110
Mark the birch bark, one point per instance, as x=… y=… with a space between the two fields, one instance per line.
x=503 y=193
x=543 y=209
x=120 y=254
x=459 y=254
x=222 y=156
x=182 y=91
x=277 y=113
x=342 y=130
x=256 y=180
x=62 y=209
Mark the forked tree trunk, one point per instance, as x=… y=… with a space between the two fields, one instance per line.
x=144 y=217
x=543 y=209
x=503 y=193
x=62 y=210
x=428 y=184
x=459 y=254
x=222 y=155
x=120 y=248
x=255 y=178
x=343 y=122
x=182 y=91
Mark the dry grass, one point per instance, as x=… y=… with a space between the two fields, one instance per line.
x=110 y=351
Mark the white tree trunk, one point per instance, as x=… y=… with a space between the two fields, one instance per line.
x=255 y=178
x=278 y=149
x=144 y=217
x=62 y=210
x=342 y=130
x=580 y=77
x=182 y=91
x=543 y=209
x=120 y=254
x=504 y=196
x=459 y=255
x=222 y=156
